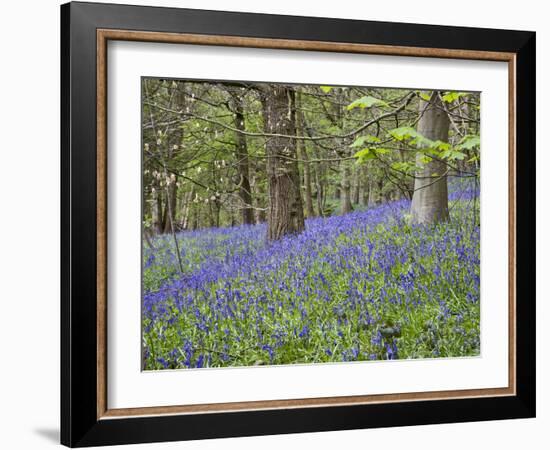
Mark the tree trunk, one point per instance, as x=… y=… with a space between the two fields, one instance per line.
x=186 y=208
x=345 y=196
x=259 y=211
x=302 y=153
x=242 y=157
x=156 y=209
x=170 y=208
x=356 y=186
x=430 y=202
x=365 y=186
x=285 y=213
x=320 y=190
x=371 y=200
x=381 y=194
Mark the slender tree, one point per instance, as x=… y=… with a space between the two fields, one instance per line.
x=430 y=202
x=345 y=196
x=242 y=157
x=302 y=154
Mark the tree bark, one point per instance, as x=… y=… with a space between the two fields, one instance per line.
x=259 y=210
x=302 y=153
x=171 y=204
x=156 y=208
x=247 y=212
x=186 y=208
x=430 y=200
x=345 y=196
x=356 y=186
x=370 y=199
x=285 y=213
x=365 y=186
x=320 y=190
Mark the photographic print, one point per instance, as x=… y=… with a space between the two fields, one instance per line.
x=299 y=224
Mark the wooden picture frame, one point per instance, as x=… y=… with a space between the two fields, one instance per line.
x=86 y=418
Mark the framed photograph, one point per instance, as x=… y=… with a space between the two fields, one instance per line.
x=277 y=224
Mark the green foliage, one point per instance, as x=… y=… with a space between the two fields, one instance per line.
x=362 y=140
x=413 y=137
x=469 y=142
x=404 y=133
x=441 y=150
x=424 y=96
x=369 y=153
x=451 y=96
x=404 y=167
x=452 y=155
x=366 y=102
x=201 y=147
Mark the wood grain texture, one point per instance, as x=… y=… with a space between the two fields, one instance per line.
x=103 y=35
x=306 y=402
x=512 y=273
x=237 y=41
x=101 y=225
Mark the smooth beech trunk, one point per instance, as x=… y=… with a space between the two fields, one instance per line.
x=285 y=211
x=430 y=202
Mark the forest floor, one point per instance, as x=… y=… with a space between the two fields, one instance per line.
x=363 y=286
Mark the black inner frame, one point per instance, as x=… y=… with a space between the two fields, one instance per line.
x=79 y=423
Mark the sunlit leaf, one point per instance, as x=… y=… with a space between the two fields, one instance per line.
x=412 y=136
x=451 y=96
x=366 y=102
x=424 y=96
x=469 y=142
x=362 y=140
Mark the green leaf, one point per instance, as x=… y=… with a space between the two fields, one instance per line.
x=457 y=155
x=451 y=96
x=411 y=135
x=326 y=89
x=452 y=155
x=405 y=167
x=440 y=145
x=366 y=102
x=362 y=140
x=364 y=155
x=469 y=142
x=369 y=153
x=403 y=133
x=424 y=96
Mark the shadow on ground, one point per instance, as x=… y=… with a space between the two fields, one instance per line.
x=50 y=434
